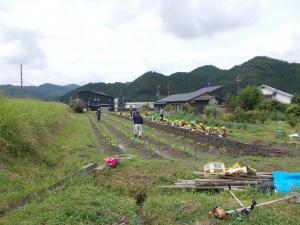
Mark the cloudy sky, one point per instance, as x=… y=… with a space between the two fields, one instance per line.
x=82 y=41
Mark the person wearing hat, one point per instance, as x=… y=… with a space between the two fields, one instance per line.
x=138 y=125
x=223 y=132
x=216 y=131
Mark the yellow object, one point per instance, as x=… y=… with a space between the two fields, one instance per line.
x=234 y=166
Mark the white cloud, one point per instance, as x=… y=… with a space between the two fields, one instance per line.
x=81 y=41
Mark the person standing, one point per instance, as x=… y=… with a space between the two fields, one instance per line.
x=161 y=114
x=98 y=114
x=138 y=125
x=130 y=111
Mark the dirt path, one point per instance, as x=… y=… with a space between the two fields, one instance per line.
x=152 y=144
x=126 y=142
x=101 y=139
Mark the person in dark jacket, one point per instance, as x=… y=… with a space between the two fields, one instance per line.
x=138 y=125
x=98 y=114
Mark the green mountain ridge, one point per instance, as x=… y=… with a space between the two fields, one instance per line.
x=45 y=91
x=256 y=71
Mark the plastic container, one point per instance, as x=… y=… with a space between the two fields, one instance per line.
x=214 y=168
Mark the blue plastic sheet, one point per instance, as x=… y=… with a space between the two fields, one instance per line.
x=285 y=181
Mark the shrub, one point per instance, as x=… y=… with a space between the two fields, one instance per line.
x=278 y=106
x=227 y=117
x=262 y=116
x=292 y=120
x=293 y=110
x=188 y=108
x=250 y=97
x=296 y=99
x=211 y=109
x=232 y=101
x=77 y=106
x=168 y=108
x=145 y=108
x=265 y=105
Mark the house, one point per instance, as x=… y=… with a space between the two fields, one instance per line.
x=274 y=94
x=199 y=99
x=94 y=100
x=137 y=105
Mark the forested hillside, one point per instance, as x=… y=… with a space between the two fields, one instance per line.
x=259 y=70
x=45 y=91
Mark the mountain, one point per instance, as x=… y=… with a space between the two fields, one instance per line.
x=45 y=91
x=259 y=70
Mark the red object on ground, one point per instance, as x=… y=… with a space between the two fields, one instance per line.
x=111 y=161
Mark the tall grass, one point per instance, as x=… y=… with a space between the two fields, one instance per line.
x=25 y=124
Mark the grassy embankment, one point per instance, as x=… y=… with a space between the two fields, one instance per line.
x=41 y=143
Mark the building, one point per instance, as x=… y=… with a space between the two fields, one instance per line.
x=137 y=105
x=274 y=94
x=94 y=100
x=199 y=99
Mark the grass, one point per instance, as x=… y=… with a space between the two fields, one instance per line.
x=69 y=148
x=26 y=124
x=81 y=202
x=109 y=197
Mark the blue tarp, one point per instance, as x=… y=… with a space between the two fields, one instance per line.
x=285 y=181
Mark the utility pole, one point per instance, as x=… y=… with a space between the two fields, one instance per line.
x=158 y=94
x=168 y=89
x=238 y=80
x=21 y=73
x=123 y=101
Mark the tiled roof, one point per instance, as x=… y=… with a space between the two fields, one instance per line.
x=184 y=97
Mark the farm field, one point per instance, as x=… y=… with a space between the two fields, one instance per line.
x=109 y=197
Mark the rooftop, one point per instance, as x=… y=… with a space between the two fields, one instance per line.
x=184 y=97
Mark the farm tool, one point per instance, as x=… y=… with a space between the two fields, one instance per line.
x=221 y=214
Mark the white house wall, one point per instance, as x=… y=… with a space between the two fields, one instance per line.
x=283 y=98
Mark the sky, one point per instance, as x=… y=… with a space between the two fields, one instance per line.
x=83 y=41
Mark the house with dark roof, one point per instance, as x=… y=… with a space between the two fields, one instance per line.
x=199 y=99
x=271 y=93
x=94 y=100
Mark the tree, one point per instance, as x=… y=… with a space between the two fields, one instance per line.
x=296 y=99
x=250 y=97
x=212 y=108
x=188 y=108
x=77 y=106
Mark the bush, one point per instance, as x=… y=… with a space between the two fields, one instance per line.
x=252 y=116
x=292 y=120
x=168 y=108
x=277 y=116
x=265 y=105
x=188 y=108
x=250 y=97
x=211 y=109
x=278 y=106
x=296 y=99
x=227 y=117
x=145 y=108
x=293 y=110
x=77 y=106
x=232 y=101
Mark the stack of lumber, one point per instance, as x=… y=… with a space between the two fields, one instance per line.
x=223 y=181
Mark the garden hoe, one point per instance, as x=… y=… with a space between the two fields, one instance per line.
x=221 y=214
